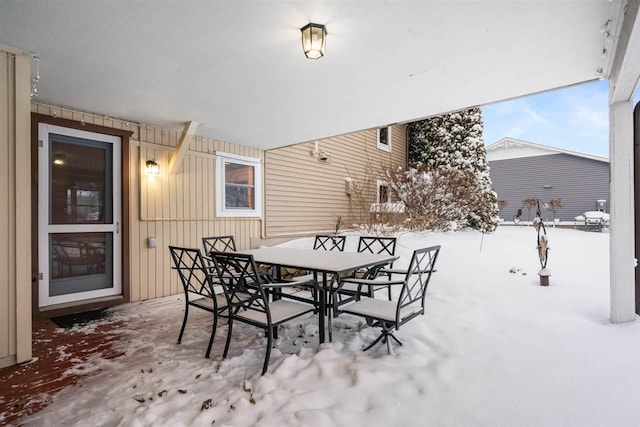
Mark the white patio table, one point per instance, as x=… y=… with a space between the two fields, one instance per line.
x=320 y=262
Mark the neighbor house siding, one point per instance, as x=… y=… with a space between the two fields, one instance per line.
x=578 y=181
x=15 y=213
x=174 y=209
x=307 y=195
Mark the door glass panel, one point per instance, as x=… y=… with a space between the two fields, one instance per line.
x=80 y=184
x=80 y=194
x=80 y=262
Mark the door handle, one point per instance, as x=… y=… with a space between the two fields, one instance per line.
x=117 y=227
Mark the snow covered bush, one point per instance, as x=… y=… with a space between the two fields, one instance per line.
x=448 y=152
x=439 y=199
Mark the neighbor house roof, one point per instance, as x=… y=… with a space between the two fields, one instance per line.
x=511 y=148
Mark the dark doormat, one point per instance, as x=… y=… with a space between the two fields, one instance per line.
x=80 y=319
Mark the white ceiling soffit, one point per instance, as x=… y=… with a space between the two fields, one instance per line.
x=237 y=67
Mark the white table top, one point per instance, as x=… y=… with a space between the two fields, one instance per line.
x=318 y=260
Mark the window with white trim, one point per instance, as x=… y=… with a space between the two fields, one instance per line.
x=383 y=192
x=238 y=186
x=384 y=138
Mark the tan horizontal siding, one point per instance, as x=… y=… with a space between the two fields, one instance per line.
x=304 y=194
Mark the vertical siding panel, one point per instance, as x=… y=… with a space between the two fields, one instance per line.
x=163 y=258
x=144 y=185
x=173 y=275
x=193 y=212
x=144 y=263
x=21 y=254
x=199 y=193
x=151 y=264
x=66 y=114
x=134 y=226
x=180 y=192
x=6 y=323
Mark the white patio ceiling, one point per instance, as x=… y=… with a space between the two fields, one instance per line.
x=237 y=67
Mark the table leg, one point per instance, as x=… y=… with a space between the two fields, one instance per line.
x=329 y=313
x=321 y=309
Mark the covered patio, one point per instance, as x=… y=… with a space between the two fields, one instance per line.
x=171 y=72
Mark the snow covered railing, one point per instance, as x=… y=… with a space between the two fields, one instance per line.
x=387 y=207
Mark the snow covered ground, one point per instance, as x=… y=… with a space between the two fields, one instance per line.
x=494 y=349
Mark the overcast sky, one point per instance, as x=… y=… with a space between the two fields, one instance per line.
x=575 y=118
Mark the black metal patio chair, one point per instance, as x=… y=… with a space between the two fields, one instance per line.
x=349 y=290
x=390 y=315
x=199 y=285
x=248 y=292
x=219 y=244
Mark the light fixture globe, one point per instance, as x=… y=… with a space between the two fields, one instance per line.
x=313 y=40
x=152 y=168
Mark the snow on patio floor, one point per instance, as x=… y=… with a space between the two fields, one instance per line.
x=494 y=349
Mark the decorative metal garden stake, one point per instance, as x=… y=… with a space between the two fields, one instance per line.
x=542 y=246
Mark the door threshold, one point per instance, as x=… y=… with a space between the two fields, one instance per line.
x=78 y=306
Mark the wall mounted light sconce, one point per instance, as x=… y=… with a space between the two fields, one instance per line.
x=59 y=159
x=547 y=186
x=313 y=40
x=152 y=168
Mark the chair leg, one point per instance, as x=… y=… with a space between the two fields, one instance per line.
x=385 y=336
x=376 y=341
x=213 y=334
x=184 y=322
x=394 y=338
x=268 y=355
x=226 y=346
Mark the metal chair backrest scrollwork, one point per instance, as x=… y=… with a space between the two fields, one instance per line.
x=218 y=244
x=329 y=242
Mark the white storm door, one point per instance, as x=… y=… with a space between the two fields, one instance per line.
x=79 y=215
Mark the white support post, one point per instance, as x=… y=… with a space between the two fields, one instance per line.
x=622 y=242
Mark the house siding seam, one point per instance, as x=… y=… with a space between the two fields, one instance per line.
x=305 y=194
x=578 y=181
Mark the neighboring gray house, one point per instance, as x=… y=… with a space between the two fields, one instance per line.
x=522 y=170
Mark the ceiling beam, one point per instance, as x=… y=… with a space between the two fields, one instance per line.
x=625 y=73
x=176 y=157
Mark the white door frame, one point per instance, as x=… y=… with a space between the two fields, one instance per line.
x=44 y=228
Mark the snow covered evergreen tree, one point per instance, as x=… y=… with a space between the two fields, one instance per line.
x=453 y=142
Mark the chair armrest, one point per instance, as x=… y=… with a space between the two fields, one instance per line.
x=373 y=282
x=280 y=285
x=399 y=271
x=393 y=271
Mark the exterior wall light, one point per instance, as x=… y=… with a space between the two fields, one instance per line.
x=152 y=168
x=313 y=40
